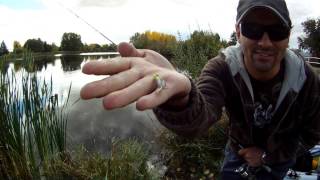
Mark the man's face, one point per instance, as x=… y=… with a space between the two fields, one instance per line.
x=262 y=54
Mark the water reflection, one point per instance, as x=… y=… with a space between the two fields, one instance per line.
x=71 y=62
x=43 y=62
x=94 y=127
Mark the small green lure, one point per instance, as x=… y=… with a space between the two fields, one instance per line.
x=161 y=84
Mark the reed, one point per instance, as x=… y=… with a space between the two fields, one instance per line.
x=32 y=123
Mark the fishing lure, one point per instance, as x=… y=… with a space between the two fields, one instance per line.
x=161 y=83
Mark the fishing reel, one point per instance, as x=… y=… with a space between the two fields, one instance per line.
x=247 y=172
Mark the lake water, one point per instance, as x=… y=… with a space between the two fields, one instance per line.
x=89 y=123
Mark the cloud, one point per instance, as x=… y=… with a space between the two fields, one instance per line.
x=101 y=3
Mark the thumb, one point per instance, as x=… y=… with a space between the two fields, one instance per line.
x=128 y=50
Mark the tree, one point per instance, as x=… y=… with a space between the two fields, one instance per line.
x=160 y=42
x=54 y=47
x=207 y=42
x=109 y=47
x=17 y=48
x=34 y=45
x=47 y=47
x=94 y=48
x=3 y=49
x=71 y=42
x=233 y=39
x=311 y=41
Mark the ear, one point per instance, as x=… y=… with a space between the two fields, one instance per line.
x=237 y=26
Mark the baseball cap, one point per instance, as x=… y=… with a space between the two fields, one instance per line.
x=278 y=7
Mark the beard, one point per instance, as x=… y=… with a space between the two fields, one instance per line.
x=264 y=60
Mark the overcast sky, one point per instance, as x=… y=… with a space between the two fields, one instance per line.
x=120 y=19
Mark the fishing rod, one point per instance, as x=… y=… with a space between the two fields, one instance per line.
x=91 y=26
x=83 y=20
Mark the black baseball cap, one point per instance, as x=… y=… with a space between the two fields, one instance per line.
x=278 y=7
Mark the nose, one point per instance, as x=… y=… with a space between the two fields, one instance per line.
x=265 y=41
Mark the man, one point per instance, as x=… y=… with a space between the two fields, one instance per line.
x=271 y=96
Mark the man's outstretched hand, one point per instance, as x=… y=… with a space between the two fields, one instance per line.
x=131 y=78
x=253 y=156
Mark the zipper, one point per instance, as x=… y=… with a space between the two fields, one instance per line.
x=244 y=110
x=285 y=114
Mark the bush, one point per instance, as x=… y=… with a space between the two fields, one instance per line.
x=192 y=54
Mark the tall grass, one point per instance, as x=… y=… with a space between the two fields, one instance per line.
x=32 y=125
x=189 y=57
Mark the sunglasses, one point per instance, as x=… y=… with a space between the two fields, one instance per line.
x=276 y=32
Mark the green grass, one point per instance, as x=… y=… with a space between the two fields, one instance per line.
x=195 y=158
x=127 y=160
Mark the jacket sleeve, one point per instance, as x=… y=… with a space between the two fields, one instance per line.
x=206 y=100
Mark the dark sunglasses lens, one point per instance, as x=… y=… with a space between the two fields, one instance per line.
x=252 y=31
x=278 y=32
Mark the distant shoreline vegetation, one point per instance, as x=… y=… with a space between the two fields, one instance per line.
x=71 y=42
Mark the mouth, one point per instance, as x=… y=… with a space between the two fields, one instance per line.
x=263 y=55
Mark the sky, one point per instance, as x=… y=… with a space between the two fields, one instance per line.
x=120 y=19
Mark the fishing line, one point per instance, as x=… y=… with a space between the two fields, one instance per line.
x=91 y=26
x=79 y=17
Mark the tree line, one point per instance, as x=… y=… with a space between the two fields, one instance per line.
x=70 y=42
x=207 y=42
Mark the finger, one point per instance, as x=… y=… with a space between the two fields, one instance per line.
x=175 y=84
x=130 y=94
x=128 y=50
x=107 y=67
x=154 y=99
x=107 y=85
